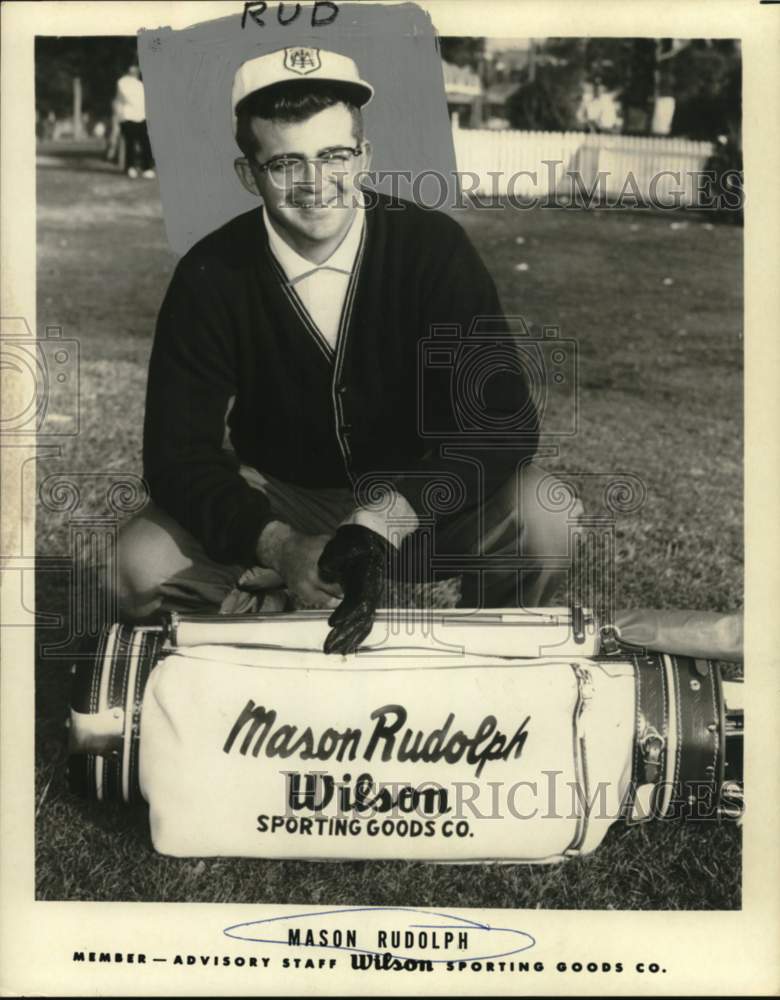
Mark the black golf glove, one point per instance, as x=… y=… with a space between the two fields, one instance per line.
x=360 y=560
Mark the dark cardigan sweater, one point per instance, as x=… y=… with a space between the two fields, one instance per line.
x=229 y=327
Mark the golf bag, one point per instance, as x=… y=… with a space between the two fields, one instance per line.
x=457 y=736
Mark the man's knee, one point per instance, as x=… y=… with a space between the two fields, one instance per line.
x=161 y=567
x=140 y=570
x=544 y=509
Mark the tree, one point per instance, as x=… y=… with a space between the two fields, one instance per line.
x=462 y=51
x=98 y=62
x=624 y=66
x=707 y=84
x=702 y=75
x=551 y=99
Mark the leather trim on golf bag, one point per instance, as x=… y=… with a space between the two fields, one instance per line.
x=106 y=701
x=679 y=739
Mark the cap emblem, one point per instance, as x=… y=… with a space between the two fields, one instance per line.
x=302 y=60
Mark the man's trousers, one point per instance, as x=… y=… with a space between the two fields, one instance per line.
x=138 y=149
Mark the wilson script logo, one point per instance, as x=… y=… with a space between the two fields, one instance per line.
x=387 y=738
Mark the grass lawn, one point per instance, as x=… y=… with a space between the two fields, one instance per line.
x=657 y=315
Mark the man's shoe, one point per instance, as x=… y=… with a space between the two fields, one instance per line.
x=132 y=173
x=149 y=174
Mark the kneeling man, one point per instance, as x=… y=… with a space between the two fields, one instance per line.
x=286 y=442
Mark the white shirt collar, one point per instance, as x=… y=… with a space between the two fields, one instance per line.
x=295 y=266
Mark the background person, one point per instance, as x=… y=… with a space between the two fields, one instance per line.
x=130 y=111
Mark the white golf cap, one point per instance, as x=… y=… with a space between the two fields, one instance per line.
x=295 y=64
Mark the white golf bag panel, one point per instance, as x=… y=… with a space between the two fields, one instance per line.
x=208 y=775
x=454 y=743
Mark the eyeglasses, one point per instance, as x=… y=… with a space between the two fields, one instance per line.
x=292 y=168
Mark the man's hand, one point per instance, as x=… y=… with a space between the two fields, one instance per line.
x=359 y=559
x=294 y=556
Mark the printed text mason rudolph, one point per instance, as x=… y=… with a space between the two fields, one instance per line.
x=486 y=744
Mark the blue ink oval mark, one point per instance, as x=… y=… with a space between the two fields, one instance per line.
x=252 y=931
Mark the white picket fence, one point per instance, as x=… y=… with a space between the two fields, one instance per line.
x=537 y=164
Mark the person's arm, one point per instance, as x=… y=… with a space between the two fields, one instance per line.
x=192 y=378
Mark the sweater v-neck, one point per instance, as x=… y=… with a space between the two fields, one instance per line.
x=297 y=308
